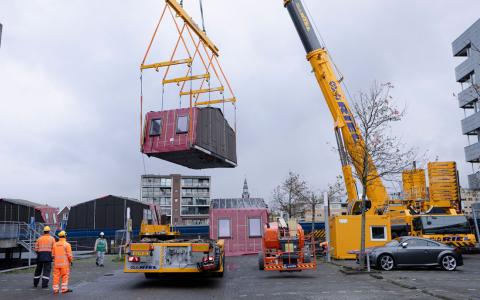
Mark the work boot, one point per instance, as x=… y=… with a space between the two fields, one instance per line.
x=67 y=291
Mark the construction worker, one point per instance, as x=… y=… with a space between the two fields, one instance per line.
x=101 y=246
x=62 y=259
x=43 y=248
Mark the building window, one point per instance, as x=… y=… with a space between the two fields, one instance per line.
x=378 y=233
x=224 y=230
x=156 y=127
x=147 y=214
x=182 y=124
x=254 y=227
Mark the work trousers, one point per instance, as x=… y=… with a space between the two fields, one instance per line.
x=100 y=257
x=42 y=270
x=62 y=273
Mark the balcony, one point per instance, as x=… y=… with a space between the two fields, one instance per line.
x=461 y=45
x=467 y=97
x=474 y=181
x=471 y=124
x=472 y=153
x=464 y=70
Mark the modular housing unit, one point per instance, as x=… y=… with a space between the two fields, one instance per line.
x=239 y=222
x=206 y=142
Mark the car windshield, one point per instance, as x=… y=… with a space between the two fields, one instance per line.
x=392 y=243
x=445 y=224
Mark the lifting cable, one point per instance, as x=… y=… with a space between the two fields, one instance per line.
x=201 y=13
x=141 y=107
x=163 y=93
x=141 y=122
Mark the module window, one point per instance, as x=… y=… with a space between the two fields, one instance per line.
x=155 y=127
x=182 y=124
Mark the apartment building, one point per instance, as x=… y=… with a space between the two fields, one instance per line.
x=185 y=200
x=467 y=46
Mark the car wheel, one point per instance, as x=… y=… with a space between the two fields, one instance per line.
x=448 y=262
x=261 y=263
x=386 y=262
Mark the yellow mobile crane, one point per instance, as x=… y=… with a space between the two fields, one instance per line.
x=381 y=209
x=348 y=135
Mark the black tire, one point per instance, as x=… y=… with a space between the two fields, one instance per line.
x=385 y=262
x=218 y=274
x=448 y=262
x=261 y=263
x=150 y=275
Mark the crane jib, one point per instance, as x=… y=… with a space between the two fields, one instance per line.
x=347 y=115
x=303 y=25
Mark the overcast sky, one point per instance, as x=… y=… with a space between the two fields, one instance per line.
x=69 y=89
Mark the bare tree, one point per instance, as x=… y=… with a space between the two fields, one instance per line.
x=380 y=154
x=312 y=201
x=335 y=192
x=289 y=197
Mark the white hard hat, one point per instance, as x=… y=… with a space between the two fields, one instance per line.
x=101 y=233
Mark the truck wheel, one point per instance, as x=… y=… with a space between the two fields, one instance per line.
x=150 y=275
x=261 y=264
x=218 y=274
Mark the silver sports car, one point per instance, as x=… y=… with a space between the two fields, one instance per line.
x=414 y=251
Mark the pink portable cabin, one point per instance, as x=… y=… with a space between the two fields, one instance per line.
x=239 y=222
x=207 y=142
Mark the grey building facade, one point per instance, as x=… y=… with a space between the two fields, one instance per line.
x=185 y=200
x=467 y=73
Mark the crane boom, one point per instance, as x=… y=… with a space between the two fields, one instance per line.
x=348 y=135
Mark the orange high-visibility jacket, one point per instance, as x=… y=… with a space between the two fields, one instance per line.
x=45 y=243
x=44 y=248
x=62 y=254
